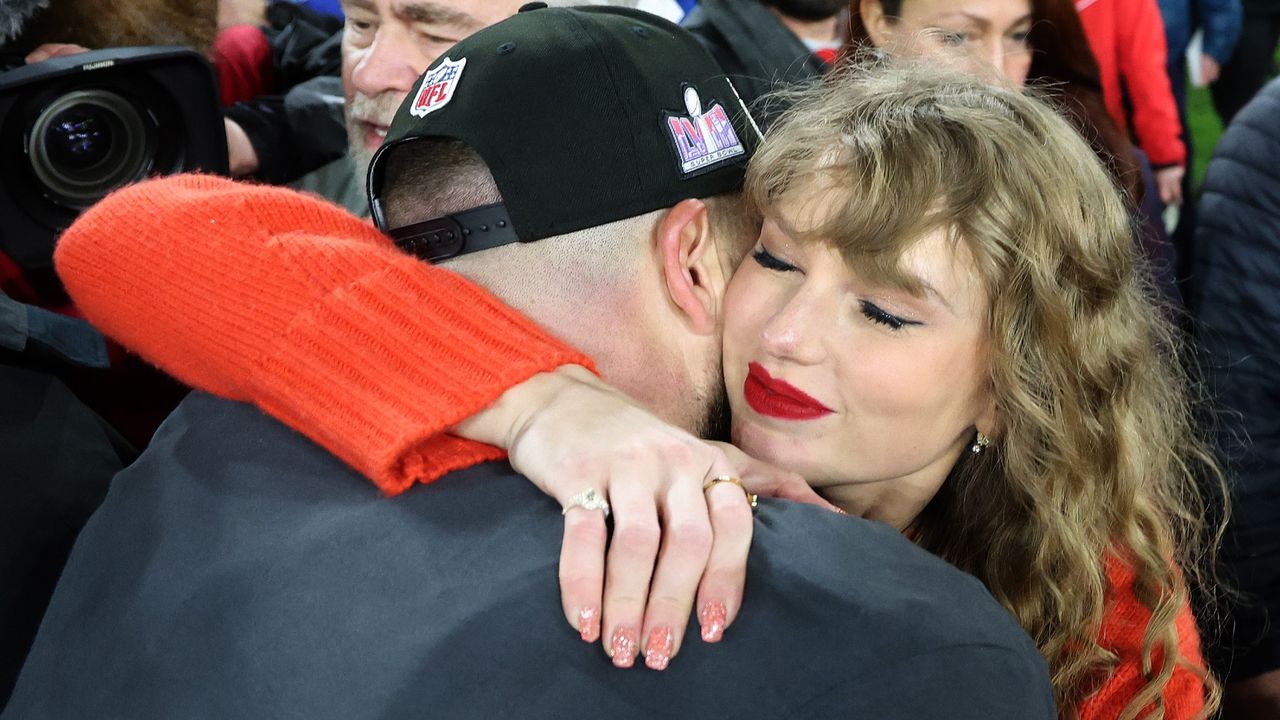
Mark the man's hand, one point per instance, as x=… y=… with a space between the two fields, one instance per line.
x=1169 y=184
x=1209 y=70
x=671 y=544
x=48 y=51
x=242 y=159
x=240 y=12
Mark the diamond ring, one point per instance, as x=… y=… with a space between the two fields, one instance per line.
x=588 y=499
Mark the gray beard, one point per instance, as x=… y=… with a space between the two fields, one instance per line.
x=360 y=156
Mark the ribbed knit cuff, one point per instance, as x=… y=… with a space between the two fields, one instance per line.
x=398 y=357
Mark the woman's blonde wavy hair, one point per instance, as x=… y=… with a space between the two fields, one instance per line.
x=1096 y=455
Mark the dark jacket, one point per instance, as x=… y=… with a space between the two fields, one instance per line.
x=1220 y=20
x=1261 y=7
x=339 y=181
x=1237 y=304
x=56 y=460
x=757 y=52
x=237 y=570
x=299 y=129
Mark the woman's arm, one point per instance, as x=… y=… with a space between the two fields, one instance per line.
x=268 y=296
x=263 y=295
x=1221 y=21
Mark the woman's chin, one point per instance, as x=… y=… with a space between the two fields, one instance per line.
x=774 y=445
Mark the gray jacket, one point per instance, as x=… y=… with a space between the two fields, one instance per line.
x=1237 y=304
x=238 y=571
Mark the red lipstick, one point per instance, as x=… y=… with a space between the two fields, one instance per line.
x=778 y=398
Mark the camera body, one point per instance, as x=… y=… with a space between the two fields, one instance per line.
x=74 y=128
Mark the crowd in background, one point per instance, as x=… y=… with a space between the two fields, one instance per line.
x=308 y=99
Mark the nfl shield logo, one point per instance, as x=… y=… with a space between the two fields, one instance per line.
x=437 y=87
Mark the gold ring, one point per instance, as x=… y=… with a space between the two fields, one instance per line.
x=752 y=498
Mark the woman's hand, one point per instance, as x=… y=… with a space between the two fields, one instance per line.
x=569 y=432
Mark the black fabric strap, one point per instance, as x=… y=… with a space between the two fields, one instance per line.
x=485 y=227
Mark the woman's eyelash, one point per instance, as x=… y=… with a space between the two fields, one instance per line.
x=876 y=315
x=769 y=262
x=869 y=309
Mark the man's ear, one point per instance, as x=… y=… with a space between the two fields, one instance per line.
x=690 y=264
x=879 y=26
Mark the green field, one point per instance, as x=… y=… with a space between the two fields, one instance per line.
x=1206 y=128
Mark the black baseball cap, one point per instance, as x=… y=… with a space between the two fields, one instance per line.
x=584 y=116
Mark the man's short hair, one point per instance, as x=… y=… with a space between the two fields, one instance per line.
x=436 y=177
x=432 y=178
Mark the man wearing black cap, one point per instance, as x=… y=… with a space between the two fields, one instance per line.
x=238 y=571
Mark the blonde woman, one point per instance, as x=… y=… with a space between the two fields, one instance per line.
x=942 y=326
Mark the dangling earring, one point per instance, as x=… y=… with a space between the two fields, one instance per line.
x=981 y=443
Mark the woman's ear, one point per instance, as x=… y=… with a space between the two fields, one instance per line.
x=690 y=264
x=988 y=422
x=880 y=27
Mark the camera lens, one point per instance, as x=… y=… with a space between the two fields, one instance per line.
x=79 y=138
x=87 y=143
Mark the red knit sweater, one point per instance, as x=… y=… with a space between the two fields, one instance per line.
x=1127 y=38
x=267 y=296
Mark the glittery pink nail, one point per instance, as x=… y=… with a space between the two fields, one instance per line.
x=589 y=624
x=658 y=654
x=712 y=618
x=624 y=646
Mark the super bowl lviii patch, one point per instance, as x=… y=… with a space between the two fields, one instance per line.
x=702 y=139
x=437 y=87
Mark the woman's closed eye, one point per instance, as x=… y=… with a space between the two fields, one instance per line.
x=952 y=38
x=768 y=261
x=875 y=314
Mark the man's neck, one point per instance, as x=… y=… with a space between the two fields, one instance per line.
x=819 y=30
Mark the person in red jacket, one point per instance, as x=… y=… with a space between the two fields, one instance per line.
x=1128 y=40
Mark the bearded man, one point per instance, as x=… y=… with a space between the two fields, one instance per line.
x=386 y=44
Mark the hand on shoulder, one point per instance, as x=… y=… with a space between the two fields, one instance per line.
x=580 y=441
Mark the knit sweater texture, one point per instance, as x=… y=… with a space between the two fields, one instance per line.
x=268 y=296
x=264 y=295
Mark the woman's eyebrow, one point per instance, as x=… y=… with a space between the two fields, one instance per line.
x=980 y=21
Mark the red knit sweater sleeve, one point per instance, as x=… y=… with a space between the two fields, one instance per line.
x=1122 y=633
x=264 y=295
x=1140 y=44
